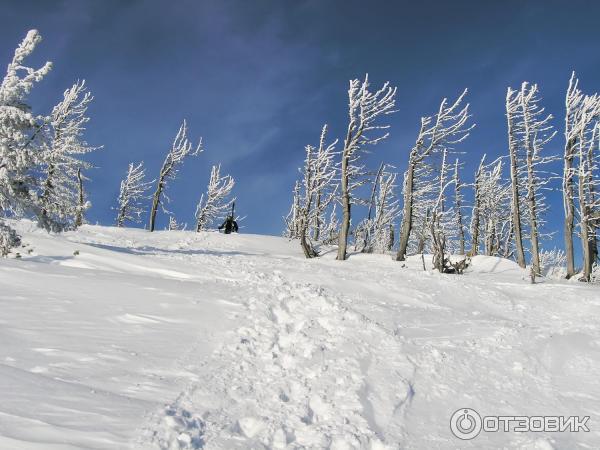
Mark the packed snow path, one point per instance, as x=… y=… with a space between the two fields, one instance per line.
x=304 y=370
x=182 y=340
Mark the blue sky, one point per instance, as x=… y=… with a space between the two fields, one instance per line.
x=257 y=79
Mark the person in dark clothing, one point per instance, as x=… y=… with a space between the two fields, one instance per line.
x=230 y=225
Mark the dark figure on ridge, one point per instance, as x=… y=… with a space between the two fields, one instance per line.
x=230 y=225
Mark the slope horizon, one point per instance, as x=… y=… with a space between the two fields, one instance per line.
x=246 y=126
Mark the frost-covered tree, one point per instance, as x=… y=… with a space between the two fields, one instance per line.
x=529 y=131
x=8 y=239
x=437 y=133
x=20 y=137
x=217 y=201
x=292 y=219
x=458 y=208
x=476 y=213
x=491 y=217
x=364 y=109
x=364 y=230
x=588 y=200
x=387 y=211
x=440 y=216
x=174 y=225
x=318 y=173
x=60 y=198
x=553 y=262
x=180 y=149
x=331 y=227
x=537 y=132
x=513 y=108
x=40 y=155
x=581 y=119
x=133 y=191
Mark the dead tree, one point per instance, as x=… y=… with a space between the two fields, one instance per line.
x=180 y=149
x=512 y=118
x=476 y=213
x=491 y=215
x=581 y=116
x=132 y=191
x=318 y=173
x=387 y=210
x=588 y=203
x=292 y=219
x=447 y=128
x=365 y=107
x=536 y=133
x=458 y=205
x=217 y=202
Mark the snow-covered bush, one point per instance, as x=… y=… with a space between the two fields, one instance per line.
x=553 y=263
x=8 y=239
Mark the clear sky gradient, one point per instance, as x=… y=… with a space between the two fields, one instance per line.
x=257 y=79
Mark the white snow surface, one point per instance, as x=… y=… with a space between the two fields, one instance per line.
x=120 y=338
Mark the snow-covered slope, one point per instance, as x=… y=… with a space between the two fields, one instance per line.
x=120 y=338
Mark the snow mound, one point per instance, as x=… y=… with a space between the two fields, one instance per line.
x=495 y=265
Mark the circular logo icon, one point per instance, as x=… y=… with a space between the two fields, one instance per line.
x=465 y=424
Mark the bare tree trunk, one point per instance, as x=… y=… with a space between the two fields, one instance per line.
x=366 y=247
x=584 y=211
x=461 y=235
x=592 y=222
x=508 y=240
x=569 y=206
x=48 y=188
x=423 y=234
x=407 y=213
x=515 y=207
x=345 y=225
x=458 y=206
x=490 y=237
x=531 y=201
x=535 y=251
x=392 y=237
x=79 y=214
x=155 y=203
x=438 y=242
x=585 y=242
x=476 y=210
x=317 y=225
x=308 y=250
x=121 y=217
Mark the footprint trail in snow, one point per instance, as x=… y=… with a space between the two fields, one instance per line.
x=305 y=372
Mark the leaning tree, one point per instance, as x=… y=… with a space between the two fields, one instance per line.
x=364 y=109
x=180 y=149
x=437 y=133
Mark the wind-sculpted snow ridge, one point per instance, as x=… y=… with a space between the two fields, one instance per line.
x=121 y=338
